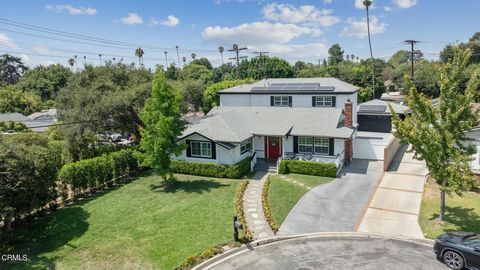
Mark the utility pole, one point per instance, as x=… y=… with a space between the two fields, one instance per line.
x=166 y=60
x=263 y=67
x=412 y=53
x=237 y=57
x=178 y=57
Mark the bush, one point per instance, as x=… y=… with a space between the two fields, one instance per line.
x=308 y=167
x=247 y=235
x=266 y=207
x=212 y=169
x=94 y=172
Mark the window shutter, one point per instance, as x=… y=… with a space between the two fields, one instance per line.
x=271 y=101
x=214 y=150
x=334 y=99
x=331 y=145
x=189 y=151
x=314 y=103
x=290 y=101
x=295 y=144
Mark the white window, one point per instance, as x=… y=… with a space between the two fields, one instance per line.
x=321 y=146
x=201 y=149
x=281 y=101
x=246 y=146
x=305 y=144
x=323 y=101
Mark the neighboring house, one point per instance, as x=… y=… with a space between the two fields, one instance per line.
x=310 y=119
x=38 y=121
x=375 y=115
x=474 y=139
x=393 y=96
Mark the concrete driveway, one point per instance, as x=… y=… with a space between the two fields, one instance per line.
x=337 y=205
x=335 y=252
x=395 y=206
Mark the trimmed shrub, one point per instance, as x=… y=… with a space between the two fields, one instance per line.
x=308 y=168
x=266 y=207
x=212 y=169
x=247 y=235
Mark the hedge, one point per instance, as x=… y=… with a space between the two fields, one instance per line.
x=247 y=235
x=94 y=172
x=212 y=169
x=308 y=167
x=267 y=211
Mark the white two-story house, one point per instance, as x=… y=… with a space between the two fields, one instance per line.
x=312 y=119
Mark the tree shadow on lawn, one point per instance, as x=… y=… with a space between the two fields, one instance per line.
x=190 y=186
x=44 y=235
x=465 y=219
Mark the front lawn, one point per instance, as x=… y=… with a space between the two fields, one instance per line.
x=462 y=213
x=284 y=193
x=137 y=226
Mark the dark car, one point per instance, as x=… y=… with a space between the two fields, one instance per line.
x=458 y=250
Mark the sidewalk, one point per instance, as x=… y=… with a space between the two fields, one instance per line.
x=252 y=204
x=395 y=205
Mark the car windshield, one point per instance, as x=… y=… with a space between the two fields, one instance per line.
x=473 y=240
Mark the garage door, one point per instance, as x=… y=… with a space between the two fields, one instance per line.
x=370 y=147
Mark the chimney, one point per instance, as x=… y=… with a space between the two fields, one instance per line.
x=348 y=114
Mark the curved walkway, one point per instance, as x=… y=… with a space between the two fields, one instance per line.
x=330 y=251
x=253 y=207
x=335 y=206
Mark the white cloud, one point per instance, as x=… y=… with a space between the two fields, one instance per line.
x=44 y=50
x=257 y=33
x=171 y=21
x=302 y=14
x=295 y=51
x=6 y=41
x=387 y=8
x=25 y=58
x=358 y=27
x=405 y=3
x=72 y=10
x=132 y=19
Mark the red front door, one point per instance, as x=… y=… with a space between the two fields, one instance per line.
x=273 y=147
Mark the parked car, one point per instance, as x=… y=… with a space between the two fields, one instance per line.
x=458 y=250
x=108 y=136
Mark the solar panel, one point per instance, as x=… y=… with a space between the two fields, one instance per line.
x=258 y=88
x=372 y=108
x=294 y=87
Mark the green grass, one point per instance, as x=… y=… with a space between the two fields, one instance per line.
x=461 y=213
x=139 y=225
x=284 y=194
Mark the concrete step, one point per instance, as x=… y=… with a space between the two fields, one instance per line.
x=265 y=168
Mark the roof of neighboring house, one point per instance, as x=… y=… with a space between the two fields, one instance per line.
x=294 y=86
x=15 y=117
x=378 y=106
x=51 y=114
x=236 y=124
x=393 y=96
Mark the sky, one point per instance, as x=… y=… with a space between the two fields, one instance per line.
x=293 y=30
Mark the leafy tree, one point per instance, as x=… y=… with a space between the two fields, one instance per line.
x=437 y=133
x=266 y=67
x=173 y=73
x=163 y=125
x=197 y=73
x=399 y=58
x=335 y=54
x=193 y=93
x=102 y=98
x=212 y=99
x=224 y=72
x=14 y=100
x=203 y=61
x=45 y=81
x=11 y=69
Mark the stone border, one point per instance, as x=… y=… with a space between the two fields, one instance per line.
x=231 y=253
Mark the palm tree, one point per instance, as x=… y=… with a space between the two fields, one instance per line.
x=166 y=60
x=139 y=53
x=368 y=4
x=221 y=49
x=193 y=56
x=178 y=57
x=113 y=60
x=348 y=57
x=352 y=56
x=84 y=60
x=76 y=65
x=184 y=59
x=71 y=62
x=100 y=56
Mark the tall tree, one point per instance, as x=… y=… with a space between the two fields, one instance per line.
x=163 y=125
x=139 y=53
x=11 y=69
x=14 y=100
x=221 y=50
x=193 y=55
x=368 y=4
x=437 y=133
x=45 y=81
x=335 y=54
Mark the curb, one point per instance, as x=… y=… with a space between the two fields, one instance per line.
x=233 y=252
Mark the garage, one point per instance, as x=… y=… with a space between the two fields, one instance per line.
x=370 y=145
x=374 y=123
x=375 y=115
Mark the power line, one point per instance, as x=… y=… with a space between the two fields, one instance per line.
x=237 y=57
x=412 y=44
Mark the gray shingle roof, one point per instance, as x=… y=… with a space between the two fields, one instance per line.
x=363 y=108
x=236 y=124
x=16 y=117
x=338 y=85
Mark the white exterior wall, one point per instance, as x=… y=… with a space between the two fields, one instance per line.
x=223 y=155
x=339 y=145
x=475 y=163
x=259 y=146
x=304 y=101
